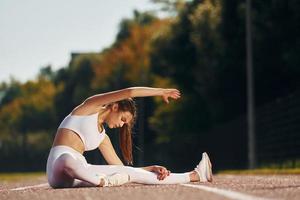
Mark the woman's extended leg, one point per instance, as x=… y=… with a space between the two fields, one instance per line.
x=201 y=173
x=139 y=175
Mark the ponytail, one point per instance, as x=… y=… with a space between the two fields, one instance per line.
x=125 y=140
x=125 y=136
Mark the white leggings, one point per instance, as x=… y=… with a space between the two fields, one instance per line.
x=68 y=168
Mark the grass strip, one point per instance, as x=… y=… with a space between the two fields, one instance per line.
x=18 y=176
x=264 y=171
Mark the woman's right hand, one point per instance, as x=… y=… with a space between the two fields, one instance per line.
x=170 y=93
x=161 y=172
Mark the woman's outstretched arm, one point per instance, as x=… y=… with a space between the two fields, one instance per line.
x=105 y=98
x=93 y=103
x=148 y=91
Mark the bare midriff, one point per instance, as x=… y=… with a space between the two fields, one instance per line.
x=68 y=138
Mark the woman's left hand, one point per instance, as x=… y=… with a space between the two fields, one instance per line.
x=170 y=93
x=161 y=172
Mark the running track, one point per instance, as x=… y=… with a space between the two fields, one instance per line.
x=239 y=187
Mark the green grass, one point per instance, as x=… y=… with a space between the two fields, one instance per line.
x=18 y=176
x=263 y=171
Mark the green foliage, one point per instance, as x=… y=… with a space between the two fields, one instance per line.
x=201 y=51
x=187 y=55
x=10 y=92
x=28 y=103
x=46 y=73
x=74 y=83
x=140 y=19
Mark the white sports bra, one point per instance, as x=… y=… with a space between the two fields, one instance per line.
x=86 y=126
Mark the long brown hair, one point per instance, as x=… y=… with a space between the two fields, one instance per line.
x=125 y=136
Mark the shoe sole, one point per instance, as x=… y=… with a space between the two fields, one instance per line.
x=208 y=167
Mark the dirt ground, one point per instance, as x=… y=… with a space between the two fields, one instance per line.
x=257 y=186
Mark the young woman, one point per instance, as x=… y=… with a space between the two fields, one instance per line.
x=82 y=130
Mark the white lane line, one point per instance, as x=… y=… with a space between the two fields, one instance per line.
x=226 y=193
x=29 y=187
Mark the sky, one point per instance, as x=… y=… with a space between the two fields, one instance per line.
x=38 y=33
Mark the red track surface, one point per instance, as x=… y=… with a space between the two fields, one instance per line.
x=258 y=186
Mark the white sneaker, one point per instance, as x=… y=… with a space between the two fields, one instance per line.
x=115 y=180
x=204 y=169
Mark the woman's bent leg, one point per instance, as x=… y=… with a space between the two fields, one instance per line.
x=140 y=175
x=67 y=168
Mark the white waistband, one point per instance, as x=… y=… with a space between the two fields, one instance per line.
x=60 y=149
